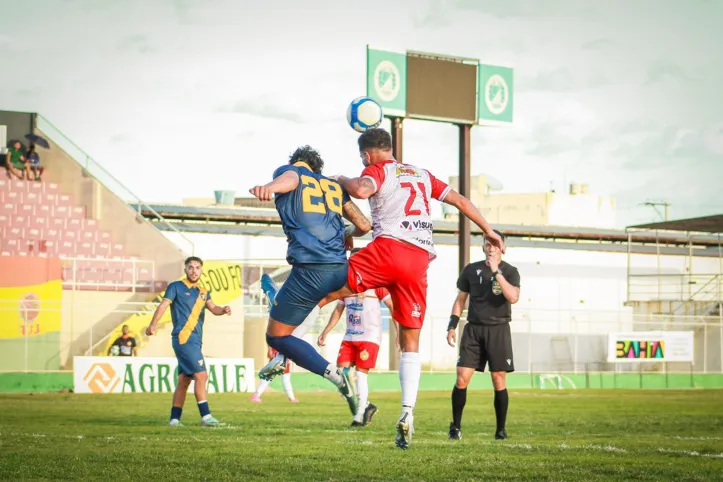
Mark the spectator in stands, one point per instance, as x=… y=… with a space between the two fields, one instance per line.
x=34 y=165
x=124 y=345
x=16 y=163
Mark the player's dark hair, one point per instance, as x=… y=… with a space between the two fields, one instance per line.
x=375 y=139
x=190 y=259
x=500 y=235
x=308 y=155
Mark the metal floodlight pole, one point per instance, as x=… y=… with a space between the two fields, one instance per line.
x=465 y=131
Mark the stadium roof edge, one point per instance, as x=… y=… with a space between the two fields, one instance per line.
x=265 y=216
x=705 y=224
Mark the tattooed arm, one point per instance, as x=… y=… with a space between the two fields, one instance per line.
x=360 y=224
x=358 y=187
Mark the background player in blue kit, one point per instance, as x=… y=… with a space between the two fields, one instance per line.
x=311 y=208
x=188 y=301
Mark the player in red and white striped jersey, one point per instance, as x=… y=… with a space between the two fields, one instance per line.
x=402 y=247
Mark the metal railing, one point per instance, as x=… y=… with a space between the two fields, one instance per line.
x=104 y=177
x=675 y=287
x=73 y=280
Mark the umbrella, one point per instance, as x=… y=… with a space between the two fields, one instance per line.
x=38 y=141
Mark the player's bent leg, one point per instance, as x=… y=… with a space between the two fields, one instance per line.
x=303 y=354
x=179 y=398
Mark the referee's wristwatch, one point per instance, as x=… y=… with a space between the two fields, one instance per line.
x=494 y=274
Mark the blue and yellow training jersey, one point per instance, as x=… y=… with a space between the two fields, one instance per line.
x=311 y=216
x=188 y=308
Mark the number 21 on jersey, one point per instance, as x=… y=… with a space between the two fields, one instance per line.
x=319 y=195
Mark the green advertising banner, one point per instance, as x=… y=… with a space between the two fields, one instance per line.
x=120 y=374
x=387 y=80
x=495 y=96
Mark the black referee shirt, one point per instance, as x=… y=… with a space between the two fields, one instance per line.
x=487 y=304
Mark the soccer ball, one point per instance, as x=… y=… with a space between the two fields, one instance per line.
x=364 y=114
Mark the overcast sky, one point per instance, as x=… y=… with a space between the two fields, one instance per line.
x=177 y=98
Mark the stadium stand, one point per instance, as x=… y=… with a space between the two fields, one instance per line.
x=36 y=219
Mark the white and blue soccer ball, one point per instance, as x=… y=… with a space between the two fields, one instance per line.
x=364 y=113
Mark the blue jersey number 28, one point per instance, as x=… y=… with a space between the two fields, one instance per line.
x=319 y=195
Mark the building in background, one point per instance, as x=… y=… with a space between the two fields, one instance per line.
x=576 y=207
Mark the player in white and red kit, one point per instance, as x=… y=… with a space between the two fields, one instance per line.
x=362 y=339
x=401 y=249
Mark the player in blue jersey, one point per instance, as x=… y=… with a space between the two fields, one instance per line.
x=188 y=301
x=311 y=208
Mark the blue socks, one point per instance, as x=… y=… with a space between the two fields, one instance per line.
x=176 y=413
x=300 y=352
x=203 y=408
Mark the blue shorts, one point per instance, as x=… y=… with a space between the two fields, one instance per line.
x=305 y=287
x=189 y=356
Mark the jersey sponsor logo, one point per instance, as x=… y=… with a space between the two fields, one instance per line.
x=355 y=319
x=416 y=225
x=355 y=306
x=479 y=271
x=416 y=310
x=427 y=242
x=407 y=171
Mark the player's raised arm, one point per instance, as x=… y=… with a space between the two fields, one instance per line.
x=467 y=208
x=286 y=182
x=360 y=223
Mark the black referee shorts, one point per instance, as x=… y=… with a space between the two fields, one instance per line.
x=482 y=344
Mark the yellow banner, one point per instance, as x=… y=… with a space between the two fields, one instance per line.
x=30 y=310
x=222 y=278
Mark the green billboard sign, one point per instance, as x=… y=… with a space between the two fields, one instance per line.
x=495 y=95
x=387 y=80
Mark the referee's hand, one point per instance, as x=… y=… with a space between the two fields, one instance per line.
x=452 y=337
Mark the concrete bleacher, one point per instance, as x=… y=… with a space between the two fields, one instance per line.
x=37 y=219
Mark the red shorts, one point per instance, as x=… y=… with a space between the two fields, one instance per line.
x=362 y=354
x=288 y=362
x=400 y=268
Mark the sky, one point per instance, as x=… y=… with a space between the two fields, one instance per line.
x=178 y=98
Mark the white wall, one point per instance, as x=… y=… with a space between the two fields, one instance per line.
x=563 y=291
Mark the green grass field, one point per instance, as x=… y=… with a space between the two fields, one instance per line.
x=554 y=435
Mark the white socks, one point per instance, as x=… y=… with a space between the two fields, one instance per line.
x=263 y=385
x=332 y=374
x=308 y=322
x=286 y=381
x=362 y=390
x=410 y=367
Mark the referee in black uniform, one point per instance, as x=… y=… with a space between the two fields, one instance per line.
x=492 y=287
